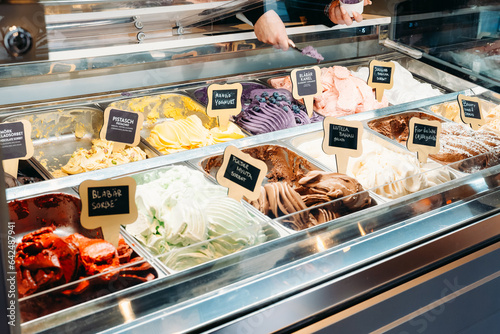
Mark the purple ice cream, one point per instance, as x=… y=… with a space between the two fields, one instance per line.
x=201 y=94
x=313 y=53
x=272 y=110
x=350 y=2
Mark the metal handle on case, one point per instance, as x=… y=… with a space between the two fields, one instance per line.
x=402 y=48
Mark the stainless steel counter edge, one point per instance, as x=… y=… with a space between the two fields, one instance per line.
x=400 y=250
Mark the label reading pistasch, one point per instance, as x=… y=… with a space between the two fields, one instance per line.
x=122 y=126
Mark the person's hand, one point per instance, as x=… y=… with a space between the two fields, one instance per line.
x=339 y=15
x=270 y=29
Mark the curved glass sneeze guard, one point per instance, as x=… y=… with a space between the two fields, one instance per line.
x=276 y=263
x=466 y=42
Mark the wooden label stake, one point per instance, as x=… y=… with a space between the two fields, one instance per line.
x=122 y=128
x=224 y=101
x=470 y=111
x=241 y=174
x=381 y=77
x=423 y=137
x=342 y=138
x=15 y=139
x=306 y=84
x=108 y=204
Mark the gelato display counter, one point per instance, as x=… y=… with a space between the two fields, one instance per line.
x=394 y=244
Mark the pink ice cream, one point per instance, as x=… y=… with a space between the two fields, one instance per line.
x=343 y=94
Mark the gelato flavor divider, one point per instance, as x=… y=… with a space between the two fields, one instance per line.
x=241 y=174
x=471 y=111
x=342 y=138
x=108 y=204
x=423 y=137
x=306 y=83
x=381 y=77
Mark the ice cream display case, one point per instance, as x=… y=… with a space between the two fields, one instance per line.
x=405 y=243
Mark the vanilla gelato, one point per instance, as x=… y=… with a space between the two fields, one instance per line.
x=388 y=172
x=405 y=89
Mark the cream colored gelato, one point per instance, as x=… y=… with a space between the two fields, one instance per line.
x=405 y=89
x=389 y=173
x=100 y=156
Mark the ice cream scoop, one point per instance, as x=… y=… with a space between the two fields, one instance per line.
x=307 y=51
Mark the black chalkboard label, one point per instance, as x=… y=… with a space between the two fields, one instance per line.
x=306 y=82
x=122 y=126
x=343 y=137
x=106 y=201
x=224 y=99
x=381 y=74
x=471 y=109
x=425 y=135
x=12 y=140
x=242 y=173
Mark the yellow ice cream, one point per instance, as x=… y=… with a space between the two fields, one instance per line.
x=492 y=120
x=186 y=134
x=449 y=110
x=100 y=156
x=174 y=106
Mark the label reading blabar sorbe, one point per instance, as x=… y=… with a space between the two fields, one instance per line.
x=105 y=201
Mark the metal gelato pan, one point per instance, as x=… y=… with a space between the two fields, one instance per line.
x=392 y=167
x=57 y=134
x=285 y=168
x=164 y=107
x=183 y=225
x=59 y=274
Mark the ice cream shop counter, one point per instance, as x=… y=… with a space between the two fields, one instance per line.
x=192 y=183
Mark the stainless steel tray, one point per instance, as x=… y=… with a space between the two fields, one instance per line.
x=62 y=210
x=58 y=133
x=271 y=232
x=162 y=107
x=297 y=162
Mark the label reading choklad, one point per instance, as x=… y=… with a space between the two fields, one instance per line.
x=381 y=77
x=306 y=84
x=16 y=143
x=343 y=139
x=241 y=174
x=470 y=111
x=224 y=101
x=122 y=127
x=108 y=204
x=423 y=137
